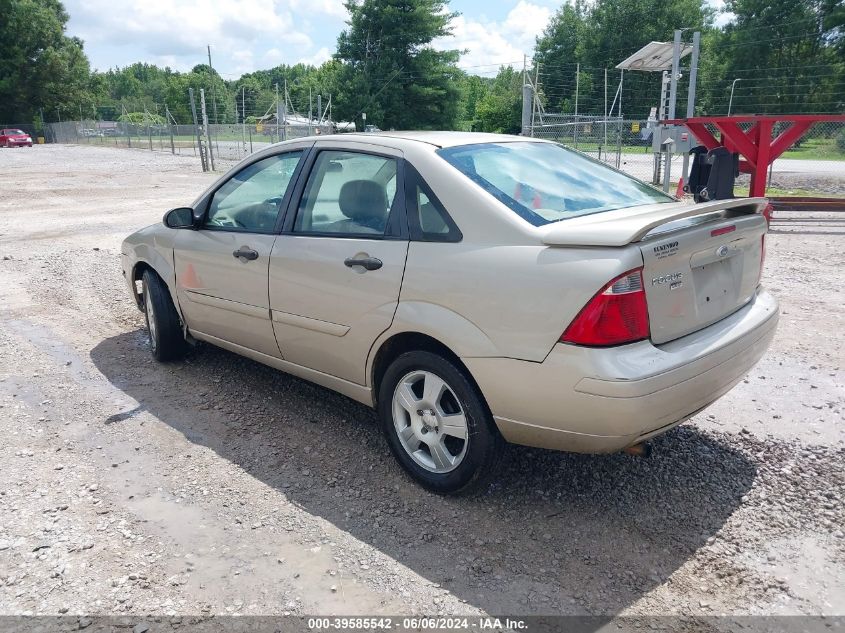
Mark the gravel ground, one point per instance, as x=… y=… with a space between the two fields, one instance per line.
x=219 y=486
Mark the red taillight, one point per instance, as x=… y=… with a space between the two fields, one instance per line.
x=617 y=314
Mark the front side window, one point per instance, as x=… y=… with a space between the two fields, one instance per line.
x=251 y=199
x=348 y=193
x=545 y=182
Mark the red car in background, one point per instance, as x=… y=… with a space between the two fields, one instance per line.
x=12 y=137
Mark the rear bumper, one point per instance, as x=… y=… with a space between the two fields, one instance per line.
x=602 y=400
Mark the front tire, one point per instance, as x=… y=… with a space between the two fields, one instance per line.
x=437 y=425
x=166 y=339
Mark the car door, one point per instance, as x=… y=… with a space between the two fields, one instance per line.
x=336 y=269
x=222 y=268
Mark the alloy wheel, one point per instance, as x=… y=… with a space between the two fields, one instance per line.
x=430 y=422
x=152 y=326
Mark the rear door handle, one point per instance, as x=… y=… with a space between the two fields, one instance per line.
x=246 y=253
x=369 y=263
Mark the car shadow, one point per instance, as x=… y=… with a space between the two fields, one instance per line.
x=555 y=534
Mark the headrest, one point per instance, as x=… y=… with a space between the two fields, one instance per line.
x=363 y=201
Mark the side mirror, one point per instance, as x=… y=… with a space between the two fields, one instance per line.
x=180 y=218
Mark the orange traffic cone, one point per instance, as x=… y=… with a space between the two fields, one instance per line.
x=680 y=191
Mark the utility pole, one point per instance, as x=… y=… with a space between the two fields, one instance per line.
x=693 y=76
x=673 y=97
x=197 y=130
x=211 y=79
x=526 y=98
x=310 y=110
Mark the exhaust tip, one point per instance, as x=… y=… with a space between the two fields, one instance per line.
x=643 y=449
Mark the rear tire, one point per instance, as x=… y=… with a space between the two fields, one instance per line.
x=167 y=341
x=437 y=425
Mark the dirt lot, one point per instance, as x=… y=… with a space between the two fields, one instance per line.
x=219 y=486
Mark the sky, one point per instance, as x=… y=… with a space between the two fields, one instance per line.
x=247 y=35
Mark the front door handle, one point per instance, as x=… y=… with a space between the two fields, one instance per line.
x=246 y=253
x=369 y=263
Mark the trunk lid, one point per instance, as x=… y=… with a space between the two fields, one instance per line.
x=699 y=274
x=700 y=262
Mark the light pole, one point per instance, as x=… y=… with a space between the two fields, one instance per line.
x=731 y=100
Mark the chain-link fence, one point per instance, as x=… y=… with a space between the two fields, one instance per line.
x=228 y=143
x=622 y=143
x=813 y=166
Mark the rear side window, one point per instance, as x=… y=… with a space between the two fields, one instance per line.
x=545 y=182
x=427 y=218
x=348 y=194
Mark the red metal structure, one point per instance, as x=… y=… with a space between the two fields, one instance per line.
x=756 y=145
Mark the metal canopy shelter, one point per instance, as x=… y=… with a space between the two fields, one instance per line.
x=653 y=57
x=755 y=145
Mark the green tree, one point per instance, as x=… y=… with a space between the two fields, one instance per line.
x=559 y=49
x=39 y=65
x=500 y=110
x=390 y=70
x=789 y=55
x=473 y=90
x=599 y=35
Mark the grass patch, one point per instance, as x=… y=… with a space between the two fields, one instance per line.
x=776 y=192
x=816 y=149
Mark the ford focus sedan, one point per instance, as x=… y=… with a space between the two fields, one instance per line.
x=474 y=289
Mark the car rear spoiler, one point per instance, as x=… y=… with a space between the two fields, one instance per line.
x=618 y=228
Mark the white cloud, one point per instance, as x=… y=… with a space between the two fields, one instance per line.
x=332 y=8
x=490 y=44
x=237 y=30
x=322 y=55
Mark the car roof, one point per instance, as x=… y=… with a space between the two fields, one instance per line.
x=438 y=139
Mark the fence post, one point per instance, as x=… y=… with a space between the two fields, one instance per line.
x=197 y=130
x=577 y=85
x=207 y=128
x=170 y=128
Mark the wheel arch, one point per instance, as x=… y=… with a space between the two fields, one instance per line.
x=147 y=258
x=411 y=341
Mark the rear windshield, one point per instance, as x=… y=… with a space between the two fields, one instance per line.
x=545 y=182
